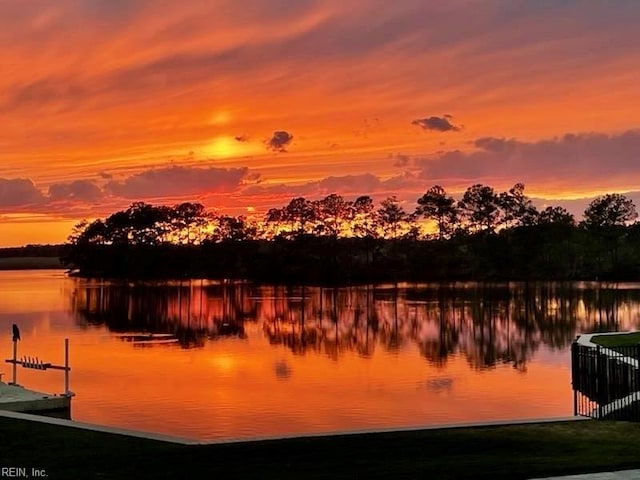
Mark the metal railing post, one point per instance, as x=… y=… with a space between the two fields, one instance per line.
x=15 y=359
x=599 y=385
x=574 y=367
x=66 y=366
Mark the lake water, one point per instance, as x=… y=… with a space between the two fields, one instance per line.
x=212 y=360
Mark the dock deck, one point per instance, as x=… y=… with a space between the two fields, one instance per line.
x=15 y=398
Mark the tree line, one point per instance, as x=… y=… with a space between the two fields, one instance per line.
x=483 y=235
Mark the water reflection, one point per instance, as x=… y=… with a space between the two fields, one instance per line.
x=487 y=324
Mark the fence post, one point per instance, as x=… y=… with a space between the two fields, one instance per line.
x=15 y=359
x=574 y=369
x=599 y=386
x=66 y=366
x=635 y=383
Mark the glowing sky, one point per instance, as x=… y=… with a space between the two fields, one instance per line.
x=246 y=104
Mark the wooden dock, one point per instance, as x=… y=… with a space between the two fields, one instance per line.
x=15 y=398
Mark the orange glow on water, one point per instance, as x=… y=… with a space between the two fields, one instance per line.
x=286 y=370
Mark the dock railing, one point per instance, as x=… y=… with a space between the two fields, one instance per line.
x=606 y=381
x=36 y=363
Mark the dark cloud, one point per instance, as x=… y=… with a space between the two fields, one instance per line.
x=279 y=141
x=241 y=138
x=438 y=124
x=178 y=181
x=81 y=190
x=105 y=175
x=19 y=192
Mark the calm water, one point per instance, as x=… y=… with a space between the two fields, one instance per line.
x=213 y=360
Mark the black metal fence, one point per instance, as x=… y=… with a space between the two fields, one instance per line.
x=606 y=382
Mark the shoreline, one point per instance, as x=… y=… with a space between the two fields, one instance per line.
x=28 y=263
x=31 y=263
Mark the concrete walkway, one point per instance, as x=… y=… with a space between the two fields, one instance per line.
x=585 y=339
x=187 y=441
x=619 y=475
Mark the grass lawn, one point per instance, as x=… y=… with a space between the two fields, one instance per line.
x=621 y=340
x=513 y=452
x=29 y=263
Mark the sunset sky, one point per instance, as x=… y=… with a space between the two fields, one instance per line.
x=243 y=105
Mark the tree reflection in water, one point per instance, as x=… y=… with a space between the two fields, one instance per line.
x=486 y=323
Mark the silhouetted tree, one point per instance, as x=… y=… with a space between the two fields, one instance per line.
x=555 y=216
x=333 y=211
x=364 y=217
x=481 y=207
x=77 y=231
x=188 y=221
x=273 y=219
x=606 y=218
x=391 y=215
x=517 y=208
x=147 y=225
x=234 y=229
x=118 y=228
x=609 y=210
x=301 y=214
x=437 y=206
x=90 y=233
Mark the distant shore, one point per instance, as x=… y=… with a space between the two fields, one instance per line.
x=30 y=263
x=32 y=257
